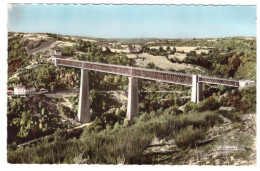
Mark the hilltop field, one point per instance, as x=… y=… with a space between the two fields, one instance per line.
x=171 y=130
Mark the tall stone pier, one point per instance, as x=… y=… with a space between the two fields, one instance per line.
x=197 y=90
x=84 y=104
x=132 y=106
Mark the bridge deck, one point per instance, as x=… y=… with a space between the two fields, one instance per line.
x=164 y=76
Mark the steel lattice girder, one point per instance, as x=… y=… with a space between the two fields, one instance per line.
x=164 y=76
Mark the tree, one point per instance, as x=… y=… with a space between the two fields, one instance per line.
x=107 y=50
x=174 y=49
x=151 y=65
x=192 y=53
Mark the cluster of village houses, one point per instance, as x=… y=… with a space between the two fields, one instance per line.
x=131 y=49
x=21 y=90
x=46 y=57
x=58 y=53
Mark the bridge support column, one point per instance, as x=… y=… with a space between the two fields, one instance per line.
x=197 y=90
x=84 y=109
x=132 y=105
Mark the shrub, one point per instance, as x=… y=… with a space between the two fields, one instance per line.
x=163 y=129
x=144 y=117
x=189 y=106
x=197 y=119
x=66 y=111
x=232 y=115
x=210 y=103
x=188 y=137
x=248 y=100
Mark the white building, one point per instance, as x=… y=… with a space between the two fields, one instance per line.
x=57 y=52
x=20 y=90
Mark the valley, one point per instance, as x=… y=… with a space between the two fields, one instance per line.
x=170 y=129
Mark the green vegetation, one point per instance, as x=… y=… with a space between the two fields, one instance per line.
x=228 y=57
x=159 y=52
x=229 y=44
x=189 y=136
x=67 y=111
x=110 y=139
x=122 y=143
x=17 y=55
x=106 y=142
x=95 y=54
x=30 y=118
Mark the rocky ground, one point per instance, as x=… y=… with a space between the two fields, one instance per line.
x=231 y=143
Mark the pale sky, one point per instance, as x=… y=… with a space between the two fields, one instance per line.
x=134 y=21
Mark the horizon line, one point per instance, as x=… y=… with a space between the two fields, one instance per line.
x=129 y=37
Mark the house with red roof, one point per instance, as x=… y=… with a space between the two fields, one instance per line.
x=104 y=45
x=31 y=90
x=10 y=92
x=44 y=56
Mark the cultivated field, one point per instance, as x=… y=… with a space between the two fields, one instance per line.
x=131 y=55
x=35 y=37
x=63 y=44
x=90 y=40
x=180 y=56
x=161 y=62
x=186 y=49
x=118 y=50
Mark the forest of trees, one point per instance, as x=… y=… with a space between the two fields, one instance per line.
x=17 y=55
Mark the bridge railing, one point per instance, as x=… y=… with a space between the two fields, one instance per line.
x=170 y=77
x=219 y=81
x=165 y=76
x=121 y=70
x=109 y=68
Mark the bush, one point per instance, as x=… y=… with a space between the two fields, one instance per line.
x=189 y=106
x=144 y=117
x=232 y=115
x=248 y=100
x=210 y=103
x=66 y=111
x=197 y=119
x=163 y=129
x=188 y=137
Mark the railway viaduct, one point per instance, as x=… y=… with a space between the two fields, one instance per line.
x=133 y=73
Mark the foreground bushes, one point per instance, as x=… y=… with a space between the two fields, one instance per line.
x=101 y=148
x=167 y=125
x=121 y=144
